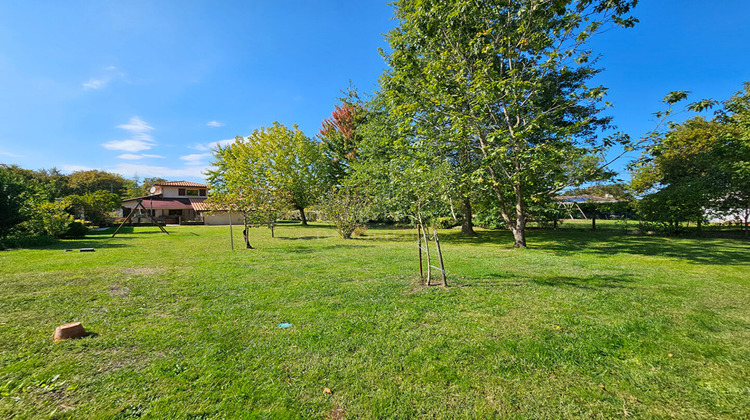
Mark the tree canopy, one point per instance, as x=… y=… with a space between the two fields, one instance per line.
x=271 y=169
x=504 y=81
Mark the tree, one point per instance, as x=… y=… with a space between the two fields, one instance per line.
x=681 y=174
x=294 y=165
x=340 y=135
x=736 y=115
x=83 y=182
x=94 y=206
x=506 y=80
x=14 y=194
x=274 y=163
x=697 y=165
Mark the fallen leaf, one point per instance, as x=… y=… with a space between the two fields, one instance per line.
x=327 y=391
x=670 y=355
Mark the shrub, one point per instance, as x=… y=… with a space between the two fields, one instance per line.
x=49 y=219
x=76 y=230
x=347 y=208
x=446 y=222
x=360 y=230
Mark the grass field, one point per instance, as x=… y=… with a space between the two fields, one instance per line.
x=581 y=324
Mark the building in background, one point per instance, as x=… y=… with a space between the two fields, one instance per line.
x=178 y=202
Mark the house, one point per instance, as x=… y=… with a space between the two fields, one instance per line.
x=178 y=202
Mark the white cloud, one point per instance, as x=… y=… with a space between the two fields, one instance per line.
x=212 y=145
x=127 y=145
x=136 y=125
x=9 y=154
x=129 y=156
x=130 y=170
x=195 y=158
x=95 y=83
x=75 y=168
x=140 y=139
x=215 y=124
x=100 y=82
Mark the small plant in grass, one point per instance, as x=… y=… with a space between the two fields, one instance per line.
x=360 y=230
x=347 y=208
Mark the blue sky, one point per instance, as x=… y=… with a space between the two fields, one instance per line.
x=147 y=87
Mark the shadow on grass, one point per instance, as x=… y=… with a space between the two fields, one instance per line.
x=586 y=282
x=696 y=250
x=301 y=238
x=126 y=230
x=612 y=242
x=315 y=249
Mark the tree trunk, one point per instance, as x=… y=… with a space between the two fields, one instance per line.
x=593 y=221
x=419 y=245
x=302 y=216
x=519 y=237
x=519 y=228
x=467 y=226
x=245 y=233
x=426 y=250
x=440 y=257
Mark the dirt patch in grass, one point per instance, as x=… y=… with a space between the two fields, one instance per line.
x=143 y=271
x=115 y=290
x=337 y=413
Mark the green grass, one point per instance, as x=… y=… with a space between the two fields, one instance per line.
x=581 y=324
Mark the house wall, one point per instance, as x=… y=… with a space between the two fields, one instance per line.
x=223 y=219
x=189 y=192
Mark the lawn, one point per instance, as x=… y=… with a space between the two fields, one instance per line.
x=581 y=324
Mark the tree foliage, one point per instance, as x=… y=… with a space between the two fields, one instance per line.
x=94 y=206
x=340 y=135
x=347 y=208
x=273 y=169
x=14 y=194
x=507 y=82
x=697 y=165
x=84 y=182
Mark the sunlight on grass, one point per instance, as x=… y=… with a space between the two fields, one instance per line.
x=582 y=324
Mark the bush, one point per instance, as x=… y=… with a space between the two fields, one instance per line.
x=23 y=241
x=347 y=208
x=489 y=218
x=446 y=222
x=49 y=219
x=360 y=230
x=76 y=230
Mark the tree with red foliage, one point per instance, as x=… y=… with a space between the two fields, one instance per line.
x=340 y=137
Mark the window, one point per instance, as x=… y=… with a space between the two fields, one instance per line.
x=175 y=212
x=180 y=191
x=193 y=193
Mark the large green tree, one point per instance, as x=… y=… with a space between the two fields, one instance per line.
x=83 y=182
x=278 y=165
x=506 y=81
x=681 y=175
x=14 y=196
x=698 y=165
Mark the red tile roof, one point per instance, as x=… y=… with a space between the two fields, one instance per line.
x=199 y=204
x=181 y=184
